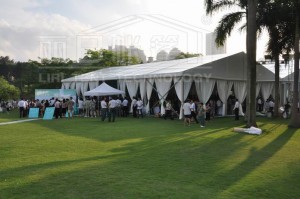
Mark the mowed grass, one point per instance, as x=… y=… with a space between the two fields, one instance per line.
x=10 y=116
x=148 y=158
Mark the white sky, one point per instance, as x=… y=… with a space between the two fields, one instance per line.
x=25 y=25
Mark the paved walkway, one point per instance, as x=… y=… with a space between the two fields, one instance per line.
x=18 y=121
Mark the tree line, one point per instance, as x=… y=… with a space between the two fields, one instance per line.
x=20 y=79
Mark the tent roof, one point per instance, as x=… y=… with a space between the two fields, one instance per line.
x=222 y=66
x=232 y=67
x=103 y=90
x=284 y=70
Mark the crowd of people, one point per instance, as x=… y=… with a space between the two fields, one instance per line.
x=112 y=107
x=198 y=112
x=7 y=106
x=63 y=107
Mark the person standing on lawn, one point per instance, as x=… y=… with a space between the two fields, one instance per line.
x=187 y=112
x=103 y=108
x=236 y=109
x=70 y=104
x=201 y=115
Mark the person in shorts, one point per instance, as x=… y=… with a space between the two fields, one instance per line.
x=187 y=112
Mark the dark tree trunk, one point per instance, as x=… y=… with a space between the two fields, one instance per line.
x=276 y=88
x=295 y=120
x=251 y=63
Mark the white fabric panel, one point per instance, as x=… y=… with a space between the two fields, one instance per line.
x=122 y=86
x=204 y=88
x=93 y=84
x=240 y=90
x=142 y=83
x=132 y=87
x=72 y=86
x=179 y=92
x=162 y=87
x=84 y=87
x=224 y=89
x=266 y=89
x=230 y=84
x=67 y=85
x=258 y=86
x=78 y=88
x=187 y=84
x=149 y=88
x=182 y=88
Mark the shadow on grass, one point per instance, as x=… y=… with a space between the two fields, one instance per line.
x=256 y=158
x=170 y=161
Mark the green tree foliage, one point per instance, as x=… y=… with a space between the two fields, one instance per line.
x=48 y=73
x=183 y=55
x=7 y=90
x=108 y=58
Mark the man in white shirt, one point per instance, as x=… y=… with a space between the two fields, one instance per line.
x=259 y=104
x=103 y=108
x=80 y=107
x=125 y=107
x=134 y=107
x=193 y=111
x=112 y=104
x=236 y=109
x=187 y=112
x=139 y=104
x=21 y=105
x=271 y=107
x=118 y=108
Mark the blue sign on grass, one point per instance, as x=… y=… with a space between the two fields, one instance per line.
x=34 y=113
x=49 y=112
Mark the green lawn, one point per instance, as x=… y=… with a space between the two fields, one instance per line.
x=148 y=158
x=10 y=116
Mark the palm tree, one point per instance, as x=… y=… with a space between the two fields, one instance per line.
x=224 y=30
x=273 y=18
x=295 y=120
x=251 y=60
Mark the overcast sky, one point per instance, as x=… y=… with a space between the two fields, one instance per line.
x=25 y=25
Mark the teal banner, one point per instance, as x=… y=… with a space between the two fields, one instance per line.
x=47 y=94
x=33 y=113
x=49 y=112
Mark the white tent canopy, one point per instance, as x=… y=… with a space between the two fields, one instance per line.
x=205 y=72
x=104 y=90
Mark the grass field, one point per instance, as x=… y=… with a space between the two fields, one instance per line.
x=147 y=158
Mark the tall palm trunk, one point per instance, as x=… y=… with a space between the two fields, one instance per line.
x=251 y=63
x=277 y=96
x=295 y=120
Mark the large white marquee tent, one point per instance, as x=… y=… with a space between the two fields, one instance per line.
x=223 y=71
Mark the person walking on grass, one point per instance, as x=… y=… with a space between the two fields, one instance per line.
x=103 y=108
x=139 y=104
x=112 y=105
x=57 y=111
x=70 y=104
x=21 y=105
x=236 y=109
x=168 y=110
x=187 y=112
x=201 y=115
x=193 y=111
